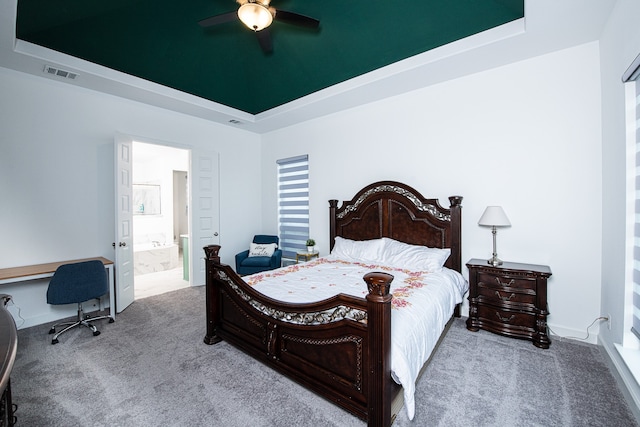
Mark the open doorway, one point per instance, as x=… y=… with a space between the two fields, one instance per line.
x=160 y=218
x=204 y=215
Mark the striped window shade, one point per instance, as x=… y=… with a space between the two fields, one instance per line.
x=631 y=75
x=293 y=204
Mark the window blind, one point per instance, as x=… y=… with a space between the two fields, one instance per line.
x=631 y=75
x=293 y=204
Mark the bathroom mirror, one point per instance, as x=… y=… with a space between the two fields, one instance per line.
x=146 y=199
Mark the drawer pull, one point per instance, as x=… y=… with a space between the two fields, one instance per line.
x=505 y=298
x=505 y=319
x=504 y=284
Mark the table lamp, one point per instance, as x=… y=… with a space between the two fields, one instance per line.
x=493 y=217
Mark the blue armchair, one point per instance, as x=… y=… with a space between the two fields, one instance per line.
x=246 y=264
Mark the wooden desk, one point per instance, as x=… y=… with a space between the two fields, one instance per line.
x=42 y=271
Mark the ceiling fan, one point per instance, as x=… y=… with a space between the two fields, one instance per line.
x=257 y=15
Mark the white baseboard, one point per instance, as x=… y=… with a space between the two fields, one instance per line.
x=574 y=334
x=51 y=316
x=627 y=381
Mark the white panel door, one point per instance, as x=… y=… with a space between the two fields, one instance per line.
x=204 y=210
x=124 y=223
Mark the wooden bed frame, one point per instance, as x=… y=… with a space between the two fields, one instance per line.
x=340 y=347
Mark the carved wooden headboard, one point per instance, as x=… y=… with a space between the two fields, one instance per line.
x=395 y=210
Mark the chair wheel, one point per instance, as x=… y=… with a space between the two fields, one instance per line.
x=54 y=341
x=96 y=333
x=52 y=331
x=111 y=320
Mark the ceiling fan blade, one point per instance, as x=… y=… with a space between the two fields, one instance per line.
x=218 y=19
x=264 y=38
x=296 y=19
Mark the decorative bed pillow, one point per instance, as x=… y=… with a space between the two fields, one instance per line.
x=262 y=249
x=414 y=257
x=358 y=250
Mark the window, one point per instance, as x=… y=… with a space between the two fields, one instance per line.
x=293 y=204
x=629 y=350
x=631 y=77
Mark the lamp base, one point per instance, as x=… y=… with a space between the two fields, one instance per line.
x=494 y=261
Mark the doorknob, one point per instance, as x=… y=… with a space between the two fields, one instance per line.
x=121 y=244
x=215 y=234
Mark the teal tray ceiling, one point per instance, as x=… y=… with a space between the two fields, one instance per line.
x=161 y=41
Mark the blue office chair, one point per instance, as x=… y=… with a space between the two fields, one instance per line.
x=255 y=264
x=74 y=284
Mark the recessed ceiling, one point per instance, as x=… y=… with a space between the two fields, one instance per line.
x=161 y=41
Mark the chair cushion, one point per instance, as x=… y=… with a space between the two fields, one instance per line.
x=256 y=261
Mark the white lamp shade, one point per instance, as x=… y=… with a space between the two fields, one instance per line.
x=255 y=16
x=494 y=216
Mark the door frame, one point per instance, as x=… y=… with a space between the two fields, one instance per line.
x=204 y=216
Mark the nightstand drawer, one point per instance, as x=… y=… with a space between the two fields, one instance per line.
x=514 y=320
x=497 y=294
x=506 y=281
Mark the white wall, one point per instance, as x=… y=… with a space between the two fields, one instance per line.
x=525 y=136
x=57 y=175
x=620 y=44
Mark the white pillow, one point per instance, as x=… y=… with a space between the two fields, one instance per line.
x=262 y=249
x=414 y=257
x=358 y=250
x=391 y=252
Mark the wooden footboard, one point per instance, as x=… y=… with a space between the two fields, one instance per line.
x=340 y=348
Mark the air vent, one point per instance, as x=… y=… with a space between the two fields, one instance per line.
x=59 y=73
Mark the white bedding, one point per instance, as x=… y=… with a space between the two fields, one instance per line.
x=422 y=304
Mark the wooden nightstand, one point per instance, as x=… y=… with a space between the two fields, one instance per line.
x=306 y=256
x=510 y=300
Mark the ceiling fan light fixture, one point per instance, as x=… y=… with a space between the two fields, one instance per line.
x=255 y=16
